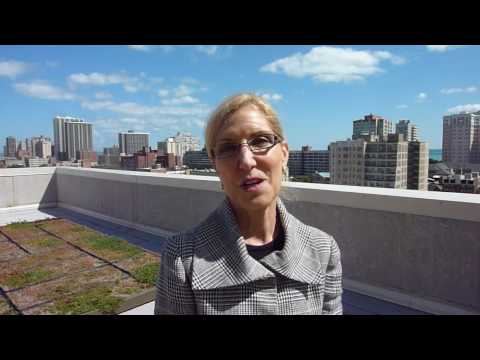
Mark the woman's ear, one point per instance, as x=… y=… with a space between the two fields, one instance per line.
x=285 y=153
x=213 y=162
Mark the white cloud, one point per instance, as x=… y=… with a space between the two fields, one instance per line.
x=42 y=90
x=402 y=106
x=464 y=108
x=183 y=90
x=180 y=100
x=469 y=89
x=271 y=97
x=207 y=49
x=145 y=48
x=163 y=92
x=98 y=79
x=12 y=68
x=52 y=64
x=189 y=81
x=130 y=84
x=134 y=109
x=442 y=48
x=422 y=97
x=331 y=64
x=103 y=95
x=131 y=88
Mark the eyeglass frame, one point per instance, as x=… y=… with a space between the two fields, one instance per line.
x=276 y=140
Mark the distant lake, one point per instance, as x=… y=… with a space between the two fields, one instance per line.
x=436 y=154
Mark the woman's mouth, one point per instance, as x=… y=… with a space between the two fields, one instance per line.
x=252 y=184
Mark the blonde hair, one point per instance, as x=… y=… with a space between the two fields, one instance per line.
x=223 y=112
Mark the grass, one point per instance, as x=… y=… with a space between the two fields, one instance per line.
x=46 y=242
x=147 y=274
x=101 y=242
x=29 y=277
x=97 y=299
x=19 y=225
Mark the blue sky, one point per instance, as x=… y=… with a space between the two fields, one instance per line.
x=317 y=90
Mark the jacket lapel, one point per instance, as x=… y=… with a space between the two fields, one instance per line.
x=299 y=259
x=221 y=258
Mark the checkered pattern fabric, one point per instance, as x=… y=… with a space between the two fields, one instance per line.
x=207 y=270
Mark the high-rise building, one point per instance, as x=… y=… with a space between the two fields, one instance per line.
x=409 y=131
x=21 y=150
x=388 y=162
x=71 y=135
x=418 y=165
x=32 y=145
x=11 y=147
x=42 y=148
x=307 y=161
x=167 y=147
x=461 y=140
x=347 y=162
x=185 y=142
x=371 y=125
x=131 y=142
x=197 y=160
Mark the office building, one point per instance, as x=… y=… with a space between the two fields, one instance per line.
x=307 y=162
x=71 y=135
x=11 y=147
x=386 y=163
x=371 y=125
x=461 y=140
x=197 y=160
x=42 y=148
x=407 y=129
x=167 y=146
x=347 y=162
x=185 y=142
x=418 y=165
x=131 y=142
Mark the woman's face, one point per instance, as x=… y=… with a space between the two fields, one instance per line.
x=251 y=181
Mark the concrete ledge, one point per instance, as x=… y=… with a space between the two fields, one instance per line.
x=436 y=204
x=48 y=170
x=407 y=300
x=147 y=229
x=23 y=208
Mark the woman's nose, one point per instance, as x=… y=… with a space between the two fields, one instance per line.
x=246 y=159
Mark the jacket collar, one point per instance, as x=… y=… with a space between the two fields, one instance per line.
x=221 y=259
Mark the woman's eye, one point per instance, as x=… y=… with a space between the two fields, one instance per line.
x=226 y=148
x=261 y=141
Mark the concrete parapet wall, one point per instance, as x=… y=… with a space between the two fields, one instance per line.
x=31 y=186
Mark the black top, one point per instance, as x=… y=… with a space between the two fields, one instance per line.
x=260 y=251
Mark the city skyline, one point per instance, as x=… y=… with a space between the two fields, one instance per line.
x=318 y=91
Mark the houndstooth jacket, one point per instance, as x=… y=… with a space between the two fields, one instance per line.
x=207 y=270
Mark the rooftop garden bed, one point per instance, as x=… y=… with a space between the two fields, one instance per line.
x=60 y=267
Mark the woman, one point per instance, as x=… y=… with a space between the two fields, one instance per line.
x=250 y=256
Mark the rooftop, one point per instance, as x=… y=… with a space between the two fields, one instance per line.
x=403 y=251
x=66 y=264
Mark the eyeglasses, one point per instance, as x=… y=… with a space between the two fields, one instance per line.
x=259 y=144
